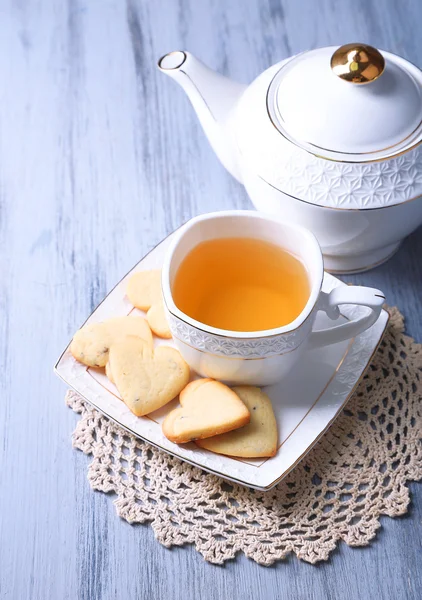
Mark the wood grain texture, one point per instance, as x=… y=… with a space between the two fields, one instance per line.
x=100 y=157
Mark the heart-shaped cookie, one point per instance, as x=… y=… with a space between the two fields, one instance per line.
x=108 y=372
x=146 y=378
x=157 y=320
x=258 y=438
x=208 y=408
x=144 y=289
x=91 y=344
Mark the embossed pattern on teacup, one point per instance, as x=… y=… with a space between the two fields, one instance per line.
x=240 y=347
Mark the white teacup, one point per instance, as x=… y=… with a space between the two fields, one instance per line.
x=260 y=357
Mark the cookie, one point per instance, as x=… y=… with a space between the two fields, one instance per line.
x=208 y=408
x=258 y=438
x=157 y=320
x=144 y=289
x=108 y=372
x=91 y=344
x=147 y=378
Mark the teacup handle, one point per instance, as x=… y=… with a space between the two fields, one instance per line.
x=362 y=296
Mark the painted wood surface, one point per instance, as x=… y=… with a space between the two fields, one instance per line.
x=100 y=157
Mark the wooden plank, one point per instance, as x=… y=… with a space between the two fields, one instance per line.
x=100 y=157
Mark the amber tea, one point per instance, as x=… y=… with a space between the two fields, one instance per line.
x=241 y=284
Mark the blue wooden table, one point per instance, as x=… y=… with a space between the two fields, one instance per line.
x=101 y=156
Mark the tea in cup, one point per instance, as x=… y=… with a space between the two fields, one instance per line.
x=242 y=290
x=241 y=284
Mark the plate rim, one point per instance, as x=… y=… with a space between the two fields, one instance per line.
x=384 y=314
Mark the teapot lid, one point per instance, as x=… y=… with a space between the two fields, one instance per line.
x=351 y=103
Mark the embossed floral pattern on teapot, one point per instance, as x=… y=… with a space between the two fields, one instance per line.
x=329 y=139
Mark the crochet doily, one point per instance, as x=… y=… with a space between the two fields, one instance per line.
x=357 y=472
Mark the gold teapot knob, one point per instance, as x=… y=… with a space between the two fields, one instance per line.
x=357 y=63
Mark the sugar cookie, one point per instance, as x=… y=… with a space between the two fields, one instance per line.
x=208 y=408
x=258 y=438
x=108 y=372
x=144 y=289
x=146 y=378
x=91 y=344
x=157 y=320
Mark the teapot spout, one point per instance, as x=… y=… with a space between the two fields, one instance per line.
x=213 y=97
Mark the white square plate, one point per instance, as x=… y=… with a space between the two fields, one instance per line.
x=305 y=403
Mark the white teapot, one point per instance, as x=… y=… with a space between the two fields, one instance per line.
x=329 y=139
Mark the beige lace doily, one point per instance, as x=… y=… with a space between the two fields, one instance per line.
x=357 y=472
